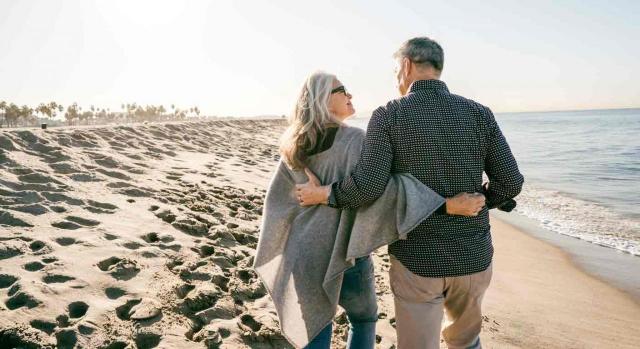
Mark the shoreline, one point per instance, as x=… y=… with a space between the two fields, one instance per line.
x=564 y=306
x=612 y=266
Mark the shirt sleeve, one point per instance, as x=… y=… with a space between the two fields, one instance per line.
x=505 y=179
x=369 y=179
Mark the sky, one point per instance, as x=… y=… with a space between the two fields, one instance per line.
x=247 y=58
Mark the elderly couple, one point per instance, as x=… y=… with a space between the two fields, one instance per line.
x=413 y=182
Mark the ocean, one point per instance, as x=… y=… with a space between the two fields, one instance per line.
x=582 y=172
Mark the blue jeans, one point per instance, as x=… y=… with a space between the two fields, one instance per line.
x=358 y=298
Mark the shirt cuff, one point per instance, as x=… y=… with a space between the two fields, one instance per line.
x=332 y=202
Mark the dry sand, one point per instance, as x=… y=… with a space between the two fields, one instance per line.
x=143 y=236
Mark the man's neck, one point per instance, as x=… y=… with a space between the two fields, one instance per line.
x=421 y=77
x=426 y=77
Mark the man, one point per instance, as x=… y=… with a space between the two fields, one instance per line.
x=446 y=141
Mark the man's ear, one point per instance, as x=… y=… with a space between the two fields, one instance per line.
x=406 y=65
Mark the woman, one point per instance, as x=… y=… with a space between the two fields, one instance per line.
x=312 y=259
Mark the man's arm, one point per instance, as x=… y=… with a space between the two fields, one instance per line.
x=505 y=180
x=369 y=179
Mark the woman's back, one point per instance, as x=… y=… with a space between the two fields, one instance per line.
x=305 y=249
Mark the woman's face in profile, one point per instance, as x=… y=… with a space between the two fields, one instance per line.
x=340 y=102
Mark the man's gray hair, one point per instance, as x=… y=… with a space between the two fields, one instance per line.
x=422 y=51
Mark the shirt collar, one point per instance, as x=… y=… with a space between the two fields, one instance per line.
x=428 y=84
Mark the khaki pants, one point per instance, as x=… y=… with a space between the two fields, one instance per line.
x=420 y=301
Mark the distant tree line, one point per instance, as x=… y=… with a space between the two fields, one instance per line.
x=12 y=115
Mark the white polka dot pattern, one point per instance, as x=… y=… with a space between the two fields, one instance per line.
x=446 y=141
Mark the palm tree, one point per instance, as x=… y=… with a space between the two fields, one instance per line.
x=161 y=111
x=43 y=109
x=72 y=113
x=3 y=108
x=86 y=117
x=139 y=113
x=25 y=114
x=11 y=114
x=131 y=108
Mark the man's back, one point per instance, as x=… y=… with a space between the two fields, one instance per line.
x=445 y=141
x=440 y=138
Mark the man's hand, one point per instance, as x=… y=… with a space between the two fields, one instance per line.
x=465 y=204
x=312 y=193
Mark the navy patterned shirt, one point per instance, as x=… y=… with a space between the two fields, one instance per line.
x=447 y=142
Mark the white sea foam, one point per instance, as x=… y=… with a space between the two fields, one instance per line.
x=585 y=220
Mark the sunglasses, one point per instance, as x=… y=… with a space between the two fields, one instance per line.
x=340 y=89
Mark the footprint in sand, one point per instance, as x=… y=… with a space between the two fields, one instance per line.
x=150 y=237
x=98 y=210
x=58 y=209
x=103 y=205
x=75 y=222
x=10 y=197
x=110 y=237
x=21 y=299
x=117 y=185
x=64 y=168
x=132 y=245
x=83 y=221
x=123 y=311
x=66 y=339
x=113 y=174
x=114 y=292
x=32 y=186
x=33 y=266
x=66 y=241
x=66 y=225
x=49 y=260
x=33 y=209
x=77 y=309
x=7 y=219
x=85 y=177
x=247 y=320
x=37 y=246
x=38 y=178
x=56 y=278
x=135 y=192
x=7 y=280
x=119 y=268
x=45 y=326
x=9 y=250
x=147 y=340
x=57 y=197
x=205 y=250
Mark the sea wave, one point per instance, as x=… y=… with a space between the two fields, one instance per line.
x=589 y=221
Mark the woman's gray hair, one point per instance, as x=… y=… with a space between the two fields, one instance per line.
x=422 y=51
x=309 y=119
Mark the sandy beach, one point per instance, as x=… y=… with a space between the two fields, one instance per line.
x=142 y=236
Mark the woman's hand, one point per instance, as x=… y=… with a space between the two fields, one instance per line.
x=465 y=204
x=312 y=193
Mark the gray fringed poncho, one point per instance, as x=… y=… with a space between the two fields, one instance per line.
x=303 y=251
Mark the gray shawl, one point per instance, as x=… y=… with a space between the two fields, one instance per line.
x=303 y=251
